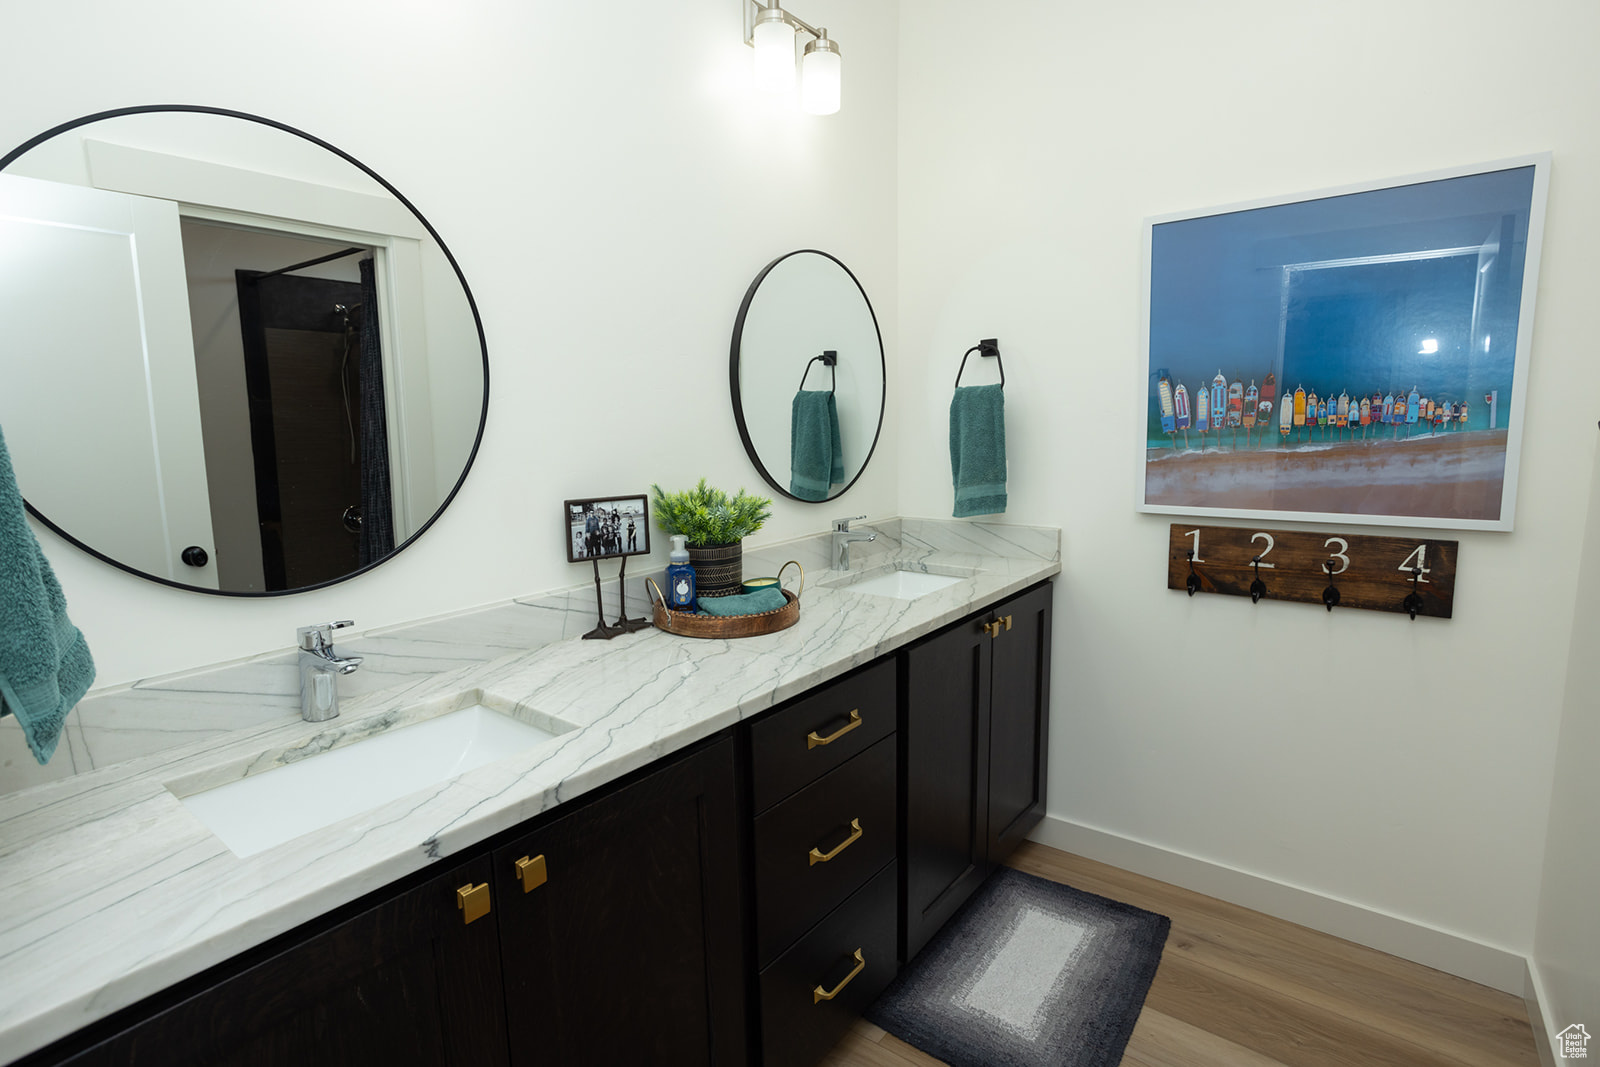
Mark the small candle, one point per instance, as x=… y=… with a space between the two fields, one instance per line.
x=753 y=584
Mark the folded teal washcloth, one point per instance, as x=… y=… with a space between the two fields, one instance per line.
x=762 y=600
x=816 y=460
x=45 y=666
x=978 y=449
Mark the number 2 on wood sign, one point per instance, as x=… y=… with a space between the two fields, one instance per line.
x=1373 y=573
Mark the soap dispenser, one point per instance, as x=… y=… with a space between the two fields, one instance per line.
x=680 y=577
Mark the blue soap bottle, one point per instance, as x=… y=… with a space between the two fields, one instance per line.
x=680 y=577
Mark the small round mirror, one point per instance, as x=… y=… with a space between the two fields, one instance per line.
x=807 y=375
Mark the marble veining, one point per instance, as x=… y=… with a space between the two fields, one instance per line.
x=114 y=890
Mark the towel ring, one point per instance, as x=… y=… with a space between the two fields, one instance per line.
x=987 y=347
x=830 y=359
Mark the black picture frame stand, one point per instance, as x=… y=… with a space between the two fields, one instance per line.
x=623 y=625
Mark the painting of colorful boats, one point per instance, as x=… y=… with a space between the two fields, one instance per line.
x=1356 y=356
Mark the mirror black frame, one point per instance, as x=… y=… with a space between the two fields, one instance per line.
x=738 y=402
x=483 y=347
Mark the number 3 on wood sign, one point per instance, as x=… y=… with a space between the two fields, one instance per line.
x=1373 y=573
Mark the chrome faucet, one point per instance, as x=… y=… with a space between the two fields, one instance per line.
x=843 y=539
x=319 y=695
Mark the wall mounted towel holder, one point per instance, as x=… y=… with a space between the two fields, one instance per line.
x=985 y=348
x=830 y=359
x=1410 y=576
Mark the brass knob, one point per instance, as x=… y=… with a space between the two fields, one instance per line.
x=473 y=901
x=532 y=872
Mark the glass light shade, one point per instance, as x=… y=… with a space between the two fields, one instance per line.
x=819 y=82
x=774 y=60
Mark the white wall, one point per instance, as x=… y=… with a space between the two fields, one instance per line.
x=609 y=187
x=1566 y=954
x=1208 y=726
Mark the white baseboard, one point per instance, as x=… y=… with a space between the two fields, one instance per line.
x=1537 y=1001
x=1489 y=965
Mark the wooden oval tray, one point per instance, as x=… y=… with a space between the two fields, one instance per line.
x=693 y=624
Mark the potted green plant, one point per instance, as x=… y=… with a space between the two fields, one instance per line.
x=714 y=525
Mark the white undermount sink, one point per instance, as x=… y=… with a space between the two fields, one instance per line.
x=254 y=813
x=900 y=584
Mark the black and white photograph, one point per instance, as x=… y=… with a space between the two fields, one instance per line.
x=607 y=527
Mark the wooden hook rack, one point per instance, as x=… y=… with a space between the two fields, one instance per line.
x=1372 y=573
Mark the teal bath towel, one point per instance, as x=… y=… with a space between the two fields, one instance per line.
x=978 y=449
x=45 y=667
x=762 y=600
x=816 y=461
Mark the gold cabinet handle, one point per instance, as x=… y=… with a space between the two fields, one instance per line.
x=812 y=740
x=992 y=628
x=1007 y=621
x=819 y=994
x=532 y=872
x=821 y=857
x=473 y=900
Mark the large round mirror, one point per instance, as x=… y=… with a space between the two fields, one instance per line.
x=236 y=360
x=807 y=375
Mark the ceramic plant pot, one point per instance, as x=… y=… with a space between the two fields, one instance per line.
x=718 y=569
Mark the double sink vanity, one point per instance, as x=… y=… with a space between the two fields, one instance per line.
x=653 y=849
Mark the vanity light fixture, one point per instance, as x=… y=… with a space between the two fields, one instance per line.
x=770 y=30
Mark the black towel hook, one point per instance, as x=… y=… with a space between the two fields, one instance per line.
x=1193 y=582
x=1413 y=601
x=987 y=347
x=830 y=359
x=1258 y=588
x=1330 y=595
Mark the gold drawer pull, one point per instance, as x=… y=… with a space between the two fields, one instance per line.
x=473 y=900
x=1007 y=621
x=992 y=628
x=819 y=994
x=532 y=872
x=819 y=857
x=812 y=740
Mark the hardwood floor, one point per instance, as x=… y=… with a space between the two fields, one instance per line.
x=1237 y=988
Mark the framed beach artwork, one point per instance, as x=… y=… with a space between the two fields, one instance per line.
x=1358 y=355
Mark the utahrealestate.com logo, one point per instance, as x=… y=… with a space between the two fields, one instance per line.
x=1573 y=1043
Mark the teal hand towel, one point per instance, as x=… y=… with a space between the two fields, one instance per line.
x=762 y=600
x=978 y=449
x=45 y=667
x=816 y=460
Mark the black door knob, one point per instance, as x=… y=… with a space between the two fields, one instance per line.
x=195 y=556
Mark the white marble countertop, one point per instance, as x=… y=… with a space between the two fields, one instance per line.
x=113 y=890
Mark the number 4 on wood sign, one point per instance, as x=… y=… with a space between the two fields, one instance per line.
x=1415 y=576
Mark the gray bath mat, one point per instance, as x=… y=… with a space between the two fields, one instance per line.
x=1030 y=973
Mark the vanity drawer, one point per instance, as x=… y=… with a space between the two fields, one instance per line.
x=799 y=1024
x=820 y=845
x=793 y=747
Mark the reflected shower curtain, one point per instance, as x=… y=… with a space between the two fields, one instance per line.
x=377 y=503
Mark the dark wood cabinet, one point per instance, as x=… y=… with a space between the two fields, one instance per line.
x=741 y=901
x=404 y=981
x=630 y=951
x=625 y=947
x=974 y=731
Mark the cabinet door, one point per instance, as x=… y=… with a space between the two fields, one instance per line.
x=1019 y=721
x=630 y=950
x=946 y=737
x=407 y=981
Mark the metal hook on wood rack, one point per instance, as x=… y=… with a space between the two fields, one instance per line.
x=1413 y=601
x=1193 y=584
x=1258 y=588
x=1330 y=595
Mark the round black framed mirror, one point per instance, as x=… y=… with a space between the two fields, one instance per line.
x=807 y=375
x=239 y=361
